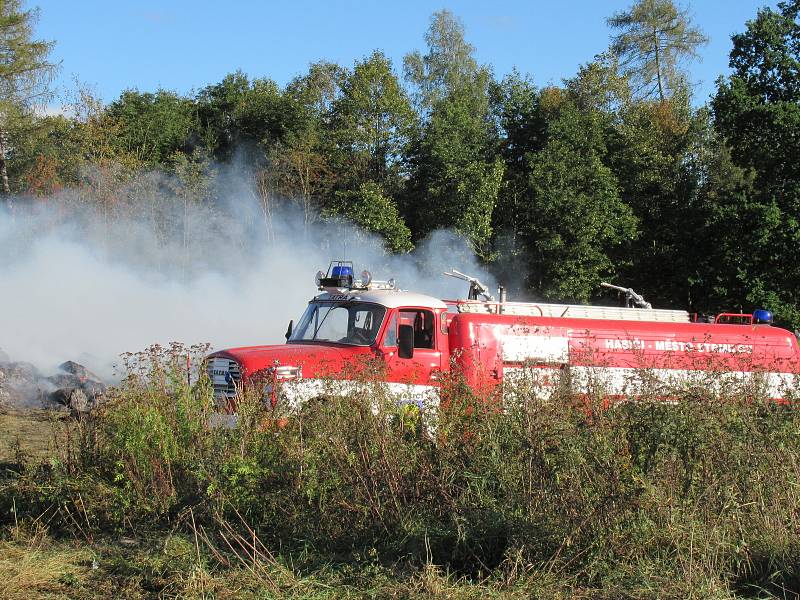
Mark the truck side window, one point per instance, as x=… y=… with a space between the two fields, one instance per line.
x=390 y=339
x=423 y=323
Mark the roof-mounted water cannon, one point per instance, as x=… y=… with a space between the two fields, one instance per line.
x=632 y=299
x=477 y=291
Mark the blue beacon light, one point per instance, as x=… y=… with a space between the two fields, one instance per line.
x=762 y=317
x=342 y=271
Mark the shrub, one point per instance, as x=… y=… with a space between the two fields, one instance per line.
x=643 y=498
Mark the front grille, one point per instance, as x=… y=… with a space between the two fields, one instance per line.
x=225 y=375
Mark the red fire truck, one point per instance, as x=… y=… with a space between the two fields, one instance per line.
x=419 y=340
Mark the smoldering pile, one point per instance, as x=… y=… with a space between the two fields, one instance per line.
x=73 y=388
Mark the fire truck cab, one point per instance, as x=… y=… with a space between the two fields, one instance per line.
x=350 y=322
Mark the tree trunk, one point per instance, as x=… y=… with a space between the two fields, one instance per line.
x=6 y=189
x=658 y=65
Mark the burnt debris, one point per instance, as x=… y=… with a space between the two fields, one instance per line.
x=73 y=388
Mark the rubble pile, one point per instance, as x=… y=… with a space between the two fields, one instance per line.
x=73 y=388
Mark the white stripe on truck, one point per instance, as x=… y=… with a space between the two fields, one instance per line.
x=522 y=348
x=619 y=381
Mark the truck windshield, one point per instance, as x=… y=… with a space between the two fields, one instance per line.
x=354 y=323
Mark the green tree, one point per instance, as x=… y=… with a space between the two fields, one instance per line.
x=454 y=155
x=371 y=125
x=757 y=112
x=264 y=114
x=317 y=90
x=25 y=75
x=575 y=216
x=216 y=113
x=649 y=147
x=476 y=194
x=298 y=169
x=523 y=128
x=601 y=87
x=757 y=108
x=524 y=115
x=241 y=114
x=298 y=166
x=655 y=36
x=454 y=175
x=47 y=158
x=448 y=65
x=732 y=229
x=373 y=211
x=650 y=152
x=152 y=126
x=522 y=131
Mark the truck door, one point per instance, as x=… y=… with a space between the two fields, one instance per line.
x=424 y=367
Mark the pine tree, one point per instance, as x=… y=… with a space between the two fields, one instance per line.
x=654 y=38
x=25 y=75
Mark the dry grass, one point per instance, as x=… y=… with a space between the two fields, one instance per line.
x=38 y=569
x=48 y=568
x=30 y=435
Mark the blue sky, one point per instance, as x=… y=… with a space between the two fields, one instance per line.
x=184 y=45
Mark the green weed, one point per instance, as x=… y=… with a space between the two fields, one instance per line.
x=557 y=495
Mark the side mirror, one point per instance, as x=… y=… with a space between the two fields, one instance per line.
x=289 y=330
x=405 y=341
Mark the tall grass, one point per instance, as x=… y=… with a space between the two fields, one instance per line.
x=555 y=492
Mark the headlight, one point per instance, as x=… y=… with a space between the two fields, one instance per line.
x=286 y=372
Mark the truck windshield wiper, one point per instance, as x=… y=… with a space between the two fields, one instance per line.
x=332 y=306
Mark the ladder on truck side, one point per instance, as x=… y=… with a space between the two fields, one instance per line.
x=570 y=311
x=479 y=300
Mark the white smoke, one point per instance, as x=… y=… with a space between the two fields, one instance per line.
x=87 y=281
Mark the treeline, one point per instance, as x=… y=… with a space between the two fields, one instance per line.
x=613 y=175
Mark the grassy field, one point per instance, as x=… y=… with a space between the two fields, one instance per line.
x=357 y=497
